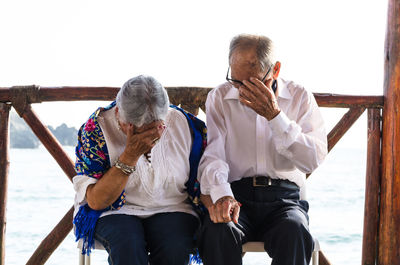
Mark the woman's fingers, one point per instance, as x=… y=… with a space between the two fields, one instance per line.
x=152 y=130
x=153 y=125
x=142 y=139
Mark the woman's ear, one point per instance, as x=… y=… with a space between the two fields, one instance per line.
x=277 y=69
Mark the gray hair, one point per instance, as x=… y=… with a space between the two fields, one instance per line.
x=262 y=45
x=142 y=100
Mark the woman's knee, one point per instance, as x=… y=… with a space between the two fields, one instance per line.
x=172 y=251
x=121 y=234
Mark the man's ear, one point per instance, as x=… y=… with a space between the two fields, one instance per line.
x=277 y=69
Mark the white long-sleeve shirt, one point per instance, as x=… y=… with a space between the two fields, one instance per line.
x=242 y=143
x=153 y=188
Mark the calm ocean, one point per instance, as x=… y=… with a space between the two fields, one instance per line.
x=39 y=194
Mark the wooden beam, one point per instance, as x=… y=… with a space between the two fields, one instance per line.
x=4 y=170
x=348 y=101
x=77 y=93
x=192 y=96
x=49 y=141
x=343 y=126
x=389 y=221
x=372 y=189
x=52 y=241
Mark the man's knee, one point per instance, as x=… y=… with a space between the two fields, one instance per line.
x=223 y=231
x=220 y=243
x=215 y=237
x=290 y=232
x=294 y=228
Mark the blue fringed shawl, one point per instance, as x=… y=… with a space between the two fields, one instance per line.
x=92 y=159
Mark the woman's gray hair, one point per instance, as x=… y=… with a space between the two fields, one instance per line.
x=142 y=100
x=263 y=46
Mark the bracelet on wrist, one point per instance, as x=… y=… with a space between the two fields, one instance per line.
x=127 y=170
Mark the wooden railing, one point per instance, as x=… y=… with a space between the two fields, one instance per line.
x=381 y=236
x=190 y=98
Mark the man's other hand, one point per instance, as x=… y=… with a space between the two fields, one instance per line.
x=224 y=210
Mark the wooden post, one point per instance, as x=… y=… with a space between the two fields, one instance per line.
x=322 y=260
x=52 y=241
x=372 y=188
x=4 y=166
x=389 y=221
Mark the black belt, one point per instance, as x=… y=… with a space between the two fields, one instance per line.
x=265 y=181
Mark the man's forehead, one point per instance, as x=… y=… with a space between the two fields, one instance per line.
x=245 y=58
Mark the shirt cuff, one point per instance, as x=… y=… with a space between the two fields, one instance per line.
x=280 y=123
x=81 y=183
x=222 y=190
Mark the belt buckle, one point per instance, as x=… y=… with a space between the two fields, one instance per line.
x=255 y=184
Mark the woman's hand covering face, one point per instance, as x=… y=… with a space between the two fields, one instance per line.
x=140 y=140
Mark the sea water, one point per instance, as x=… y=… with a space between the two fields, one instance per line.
x=39 y=195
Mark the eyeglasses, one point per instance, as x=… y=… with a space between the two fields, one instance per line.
x=238 y=82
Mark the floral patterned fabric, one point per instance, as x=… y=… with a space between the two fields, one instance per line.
x=91 y=152
x=92 y=160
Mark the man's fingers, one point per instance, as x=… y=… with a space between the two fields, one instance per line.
x=211 y=211
x=246 y=94
x=268 y=84
x=257 y=88
x=265 y=87
x=219 y=213
x=226 y=210
x=246 y=102
x=255 y=94
x=235 y=214
x=249 y=89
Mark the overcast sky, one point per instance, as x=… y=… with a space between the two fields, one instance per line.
x=327 y=46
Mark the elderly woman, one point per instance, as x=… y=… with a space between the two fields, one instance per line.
x=132 y=163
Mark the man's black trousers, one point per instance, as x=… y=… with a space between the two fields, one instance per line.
x=273 y=215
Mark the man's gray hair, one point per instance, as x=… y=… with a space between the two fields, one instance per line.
x=142 y=100
x=262 y=45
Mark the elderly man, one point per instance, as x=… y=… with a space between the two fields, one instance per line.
x=264 y=135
